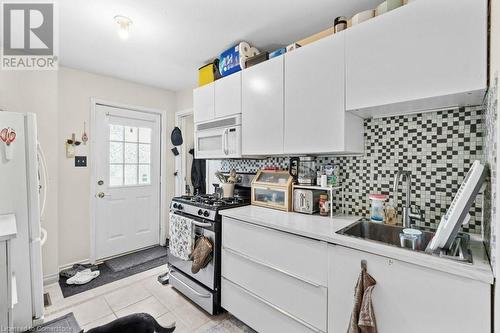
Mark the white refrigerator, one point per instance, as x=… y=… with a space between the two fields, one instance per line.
x=19 y=195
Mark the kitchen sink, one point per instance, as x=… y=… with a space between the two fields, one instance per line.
x=393 y=235
x=388 y=234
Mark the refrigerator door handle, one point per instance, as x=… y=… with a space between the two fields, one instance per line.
x=14 y=291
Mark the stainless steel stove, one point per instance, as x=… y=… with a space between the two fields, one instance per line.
x=202 y=211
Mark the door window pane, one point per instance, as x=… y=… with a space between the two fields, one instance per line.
x=131 y=134
x=115 y=152
x=145 y=135
x=116 y=175
x=144 y=153
x=130 y=174
x=129 y=160
x=144 y=174
x=131 y=153
x=115 y=132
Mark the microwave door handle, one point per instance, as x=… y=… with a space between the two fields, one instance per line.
x=226 y=144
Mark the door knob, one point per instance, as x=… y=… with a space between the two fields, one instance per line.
x=101 y=195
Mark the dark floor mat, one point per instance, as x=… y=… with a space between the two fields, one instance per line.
x=66 y=323
x=130 y=260
x=108 y=276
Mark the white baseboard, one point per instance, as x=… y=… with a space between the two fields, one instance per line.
x=51 y=279
x=84 y=261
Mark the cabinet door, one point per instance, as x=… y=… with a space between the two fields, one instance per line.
x=4 y=286
x=228 y=95
x=262 y=108
x=203 y=103
x=420 y=55
x=314 y=97
x=407 y=298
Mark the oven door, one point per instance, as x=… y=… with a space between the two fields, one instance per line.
x=205 y=276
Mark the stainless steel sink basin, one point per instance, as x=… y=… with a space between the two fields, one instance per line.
x=387 y=234
x=391 y=235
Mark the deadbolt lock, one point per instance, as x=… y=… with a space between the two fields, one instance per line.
x=101 y=182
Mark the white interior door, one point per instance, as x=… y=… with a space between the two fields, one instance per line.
x=127 y=171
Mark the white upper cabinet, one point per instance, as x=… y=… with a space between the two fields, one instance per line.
x=262 y=108
x=228 y=95
x=204 y=103
x=315 y=117
x=428 y=54
x=218 y=99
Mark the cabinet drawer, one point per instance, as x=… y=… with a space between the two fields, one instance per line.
x=258 y=313
x=299 y=256
x=277 y=287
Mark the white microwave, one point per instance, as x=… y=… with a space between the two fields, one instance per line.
x=219 y=138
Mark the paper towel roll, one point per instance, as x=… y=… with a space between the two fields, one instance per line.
x=254 y=51
x=245 y=52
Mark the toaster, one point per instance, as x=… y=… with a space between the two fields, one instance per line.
x=306 y=201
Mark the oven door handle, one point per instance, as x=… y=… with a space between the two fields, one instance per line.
x=202 y=224
x=190 y=288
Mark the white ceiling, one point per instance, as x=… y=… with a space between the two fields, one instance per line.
x=170 y=39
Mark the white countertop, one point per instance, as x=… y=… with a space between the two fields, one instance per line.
x=8 y=227
x=324 y=229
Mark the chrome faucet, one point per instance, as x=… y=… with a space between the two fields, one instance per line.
x=408 y=214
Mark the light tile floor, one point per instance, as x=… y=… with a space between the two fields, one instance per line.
x=139 y=293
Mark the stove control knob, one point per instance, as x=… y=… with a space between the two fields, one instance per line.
x=175 y=205
x=206 y=213
x=180 y=206
x=200 y=212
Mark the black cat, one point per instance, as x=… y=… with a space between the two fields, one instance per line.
x=135 y=323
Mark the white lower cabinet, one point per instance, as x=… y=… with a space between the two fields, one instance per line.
x=273 y=281
x=407 y=298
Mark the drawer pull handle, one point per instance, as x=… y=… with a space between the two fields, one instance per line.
x=260 y=299
x=189 y=287
x=258 y=262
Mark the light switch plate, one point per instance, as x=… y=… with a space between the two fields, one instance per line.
x=80 y=161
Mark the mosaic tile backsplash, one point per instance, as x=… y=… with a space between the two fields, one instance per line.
x=490 y=157
x=438 y=149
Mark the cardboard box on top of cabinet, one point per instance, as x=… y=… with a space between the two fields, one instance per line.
x=315 y=37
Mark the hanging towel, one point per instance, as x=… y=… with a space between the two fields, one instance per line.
x=181 y=236
x=363 y=316
x=202 y=254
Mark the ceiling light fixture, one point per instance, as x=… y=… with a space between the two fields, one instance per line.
x=124 y=26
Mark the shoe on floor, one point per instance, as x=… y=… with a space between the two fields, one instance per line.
x=83 y=277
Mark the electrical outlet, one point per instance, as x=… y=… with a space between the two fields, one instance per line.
x=80 y=161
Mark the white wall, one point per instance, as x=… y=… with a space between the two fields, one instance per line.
x=36 y=92
x=76 y=88
x=184 y=99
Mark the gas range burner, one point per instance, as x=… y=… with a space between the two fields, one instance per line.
x=211 y=201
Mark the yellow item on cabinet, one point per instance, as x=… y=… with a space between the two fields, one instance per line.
x=206 y=74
